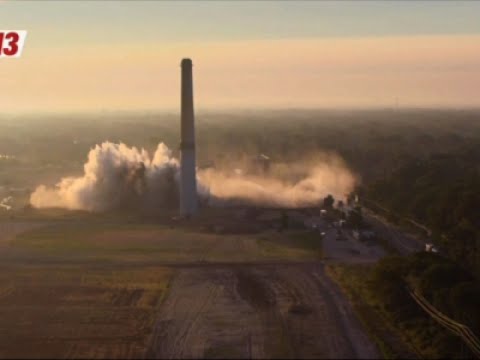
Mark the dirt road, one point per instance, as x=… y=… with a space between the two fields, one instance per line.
x=287 y=311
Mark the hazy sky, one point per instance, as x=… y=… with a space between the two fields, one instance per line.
x=125 y=55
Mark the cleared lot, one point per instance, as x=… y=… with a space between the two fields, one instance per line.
x=78 y=312
x=136 y=290
x=279 y=311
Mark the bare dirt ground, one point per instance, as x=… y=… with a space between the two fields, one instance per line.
x=280 y=311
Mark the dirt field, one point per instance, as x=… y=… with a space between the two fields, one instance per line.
x=257 y=312
x=90 y=290
x=78 y=312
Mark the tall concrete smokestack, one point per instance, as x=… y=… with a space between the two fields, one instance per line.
x=188 y=182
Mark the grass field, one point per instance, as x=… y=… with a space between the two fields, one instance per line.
x=138 y=242
x=78 y=311
x=81 y=287
x=353 y=279
x=301 y=244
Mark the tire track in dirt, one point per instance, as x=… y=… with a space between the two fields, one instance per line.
x=181 y=339
x=289 y=311
x=311 y=317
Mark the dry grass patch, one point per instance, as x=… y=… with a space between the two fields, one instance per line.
x=79 y=312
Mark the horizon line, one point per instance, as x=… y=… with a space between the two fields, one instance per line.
x=210 y=110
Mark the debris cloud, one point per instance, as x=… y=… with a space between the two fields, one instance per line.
x=117 y=176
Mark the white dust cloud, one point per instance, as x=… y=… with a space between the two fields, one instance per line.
x=300 y=184
x=117 y=176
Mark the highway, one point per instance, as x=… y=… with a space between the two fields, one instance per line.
x=403 y=242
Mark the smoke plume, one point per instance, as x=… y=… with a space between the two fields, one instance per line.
x=117 y=176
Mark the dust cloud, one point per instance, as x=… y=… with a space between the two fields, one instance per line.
x=300 y=184
x=117 y=176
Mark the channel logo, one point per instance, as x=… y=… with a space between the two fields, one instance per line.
x=11 y=43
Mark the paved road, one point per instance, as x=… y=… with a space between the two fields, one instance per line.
x=405 y=243
x=340 y=246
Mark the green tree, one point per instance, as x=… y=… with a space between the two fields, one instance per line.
x=465 y=300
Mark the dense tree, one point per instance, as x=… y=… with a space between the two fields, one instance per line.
x=355 y=218
x=443 y=192
x=443 y=283
x=439 y=276
x=464 y=300
x=328 y=202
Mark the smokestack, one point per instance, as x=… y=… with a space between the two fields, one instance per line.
x=188 y=183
